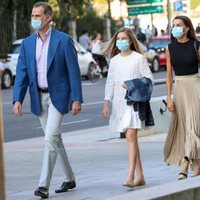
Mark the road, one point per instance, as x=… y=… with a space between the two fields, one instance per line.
x=28 y=125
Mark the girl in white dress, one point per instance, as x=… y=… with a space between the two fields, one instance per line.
x=126 y=63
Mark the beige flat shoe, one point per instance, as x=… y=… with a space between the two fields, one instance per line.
x=139 y=183
x=185 y=165
x=182 y=176
x=128 y=184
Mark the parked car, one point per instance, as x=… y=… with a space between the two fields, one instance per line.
x=6 y=75
x=159 y=45
x=88 y=66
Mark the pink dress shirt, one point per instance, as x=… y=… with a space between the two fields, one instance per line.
x=42 y=47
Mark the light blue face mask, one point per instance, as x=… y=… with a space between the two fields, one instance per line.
x=177 y=32
x=36 y=24
x=122 y=45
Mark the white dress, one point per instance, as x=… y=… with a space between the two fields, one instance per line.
x=121 y=69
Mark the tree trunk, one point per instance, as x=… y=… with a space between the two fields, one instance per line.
x=72 y=28
x=14 y=33
x=107 y=28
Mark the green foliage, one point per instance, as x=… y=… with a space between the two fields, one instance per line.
x=69 y=10
x=194 y=3
x=90 y=22
x=64 y=11
x=8 y=10
x=23 y=8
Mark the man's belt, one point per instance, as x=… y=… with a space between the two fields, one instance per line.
x=43 y=90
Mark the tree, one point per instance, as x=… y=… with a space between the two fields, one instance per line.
x=194 y=4
x=17 y=14
x=69 y=11
x=92 y=26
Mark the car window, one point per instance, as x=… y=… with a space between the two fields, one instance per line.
x=158 y=43
x=15 y=48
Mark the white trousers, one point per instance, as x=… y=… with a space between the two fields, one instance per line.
x=50 y=120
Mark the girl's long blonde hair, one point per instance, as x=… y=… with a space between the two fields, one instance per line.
x=112 y=49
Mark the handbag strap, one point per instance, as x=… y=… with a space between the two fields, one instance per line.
x=196 y=47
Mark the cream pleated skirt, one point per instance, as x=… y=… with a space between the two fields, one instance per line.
x=184 y=130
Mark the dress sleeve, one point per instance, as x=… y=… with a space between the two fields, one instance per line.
x=145 y=70
x=110 y=83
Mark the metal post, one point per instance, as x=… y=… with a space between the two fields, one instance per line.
x=168 y=16
x=152 y=21
x=2 y=176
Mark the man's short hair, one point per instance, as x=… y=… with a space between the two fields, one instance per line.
x=47 y=8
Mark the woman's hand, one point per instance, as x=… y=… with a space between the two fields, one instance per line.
x=106 y=110
x=170 y=105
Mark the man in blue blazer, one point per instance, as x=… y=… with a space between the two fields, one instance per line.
x=48 y=65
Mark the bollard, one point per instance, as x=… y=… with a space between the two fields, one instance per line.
x=122 y=135
x=2 y=175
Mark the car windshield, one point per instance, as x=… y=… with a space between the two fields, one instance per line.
x=158 y=43
x=15 y=48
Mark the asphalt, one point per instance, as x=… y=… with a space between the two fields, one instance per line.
x=99 y=160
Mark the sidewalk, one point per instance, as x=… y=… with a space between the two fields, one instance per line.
x=99 y=160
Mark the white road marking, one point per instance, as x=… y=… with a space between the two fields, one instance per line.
x=74 y=122
x=7 y=103
x=92 y=103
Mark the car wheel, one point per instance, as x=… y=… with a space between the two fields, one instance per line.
x=6 y=79
x=93 y=73
x=155 y=65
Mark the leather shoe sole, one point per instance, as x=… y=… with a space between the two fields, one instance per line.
x=39 y=193
x=66 y=186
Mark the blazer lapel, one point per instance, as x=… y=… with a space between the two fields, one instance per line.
x=33 y=54
x=53 y=44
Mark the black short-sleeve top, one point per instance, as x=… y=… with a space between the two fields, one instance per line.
x=183 y=57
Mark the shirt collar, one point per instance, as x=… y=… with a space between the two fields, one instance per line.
x=47 y=34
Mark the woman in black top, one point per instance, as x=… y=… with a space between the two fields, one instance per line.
x=182 y=145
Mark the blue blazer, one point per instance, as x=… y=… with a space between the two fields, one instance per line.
x=63 y=73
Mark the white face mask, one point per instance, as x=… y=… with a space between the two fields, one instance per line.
x=122 y=45
x=177 y=32
x=37 y=24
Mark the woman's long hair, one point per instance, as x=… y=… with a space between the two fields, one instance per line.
x=112 y=49
x=187 y=22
